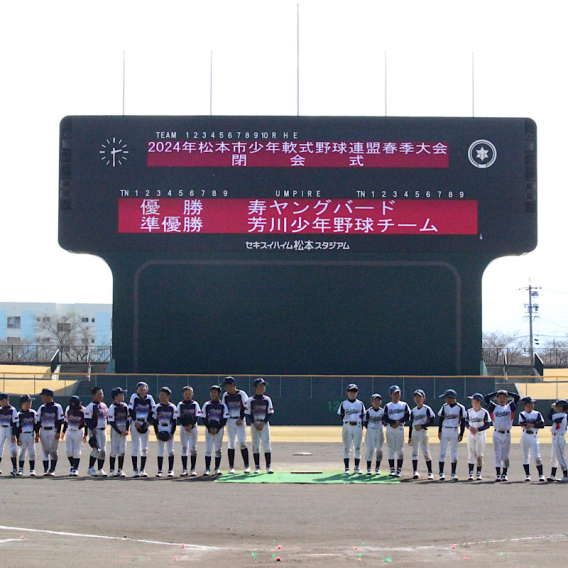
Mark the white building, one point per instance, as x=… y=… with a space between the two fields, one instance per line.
x=22 y=322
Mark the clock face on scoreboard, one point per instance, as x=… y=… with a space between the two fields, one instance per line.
x=259 y=185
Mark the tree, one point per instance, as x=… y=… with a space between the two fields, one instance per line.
x=497 y=345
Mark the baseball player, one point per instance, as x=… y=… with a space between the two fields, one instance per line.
x=118 y=419
x=352 y=411
x=531 y=421
x=396 y=414
x=450 y=431
x=559 y=422
x=502 y=414
x=421 y=416
x=188 y=412
x=235 y=400
x=141 y=408
x=8 y=430
x=50 y=420
x=477 y=420
x=214 y=415
x=374 y=438
x=259 y=409
x=165 y=420
x=96 y=414
x=25 y=436
x=75 y=429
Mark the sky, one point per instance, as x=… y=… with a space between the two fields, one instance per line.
x=63 y=58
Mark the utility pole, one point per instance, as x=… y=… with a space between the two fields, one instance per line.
x=531 y=314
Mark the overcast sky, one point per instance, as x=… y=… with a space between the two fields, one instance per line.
x=63 y=58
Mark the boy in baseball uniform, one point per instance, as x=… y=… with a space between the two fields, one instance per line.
x=74 y=433
x=119 y=424
x=396 y=414
x=559 y=423
x=188 y=412
x=165 y=419
x=450 y=431
x=96 y=414
x=8 y=430
x=214 y=414
x=531 y=421
x=502 y=413
x=421 y=416
x=477 y=420
x=25 y=436
x=374 y=438
x=236 y=400
x=259 y=410
x=141 y=408
x=352 y=411
x=50 y=420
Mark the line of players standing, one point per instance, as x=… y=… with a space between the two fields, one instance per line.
x=453 y=420
x=77 y=424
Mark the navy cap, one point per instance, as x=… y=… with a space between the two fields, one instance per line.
x=142 y=384
x=75 y=401
x=420 y=392
x=450 y=393
x=229 y=381
x=352 y=387
x=476 y=396
x=259 y=381
x=214 y=388
x=25 y=398
x=502 y=391
x=394 y=388
x=562 y=402
x=116 y=391
x=3 y=396
x=167 y=390
x=376 y=395
x=47 y=392
x=527 y=400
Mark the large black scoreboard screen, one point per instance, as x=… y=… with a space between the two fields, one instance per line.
x=348 y=230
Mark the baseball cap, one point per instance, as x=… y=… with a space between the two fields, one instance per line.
x=394 y=388
x=562 y=402
x=259 y=381
x=420 y=392
x=75 y=401
x=376 y=395
x=25 y=398
x=501 y=391
x=47 y=392
x=167 y=390
x=142 y=384
x=352 y=387
x=449 y=393
x=476 y=396
x=3 y=396
x=116 y=392
x=213 y=388
x=527 y=400
x=229 y=381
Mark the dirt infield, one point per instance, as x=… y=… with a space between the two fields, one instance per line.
x=145 y=522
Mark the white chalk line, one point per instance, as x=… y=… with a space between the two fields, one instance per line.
x=120 y=538
x=2 y=541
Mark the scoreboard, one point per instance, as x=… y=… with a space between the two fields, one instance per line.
x=294 y=245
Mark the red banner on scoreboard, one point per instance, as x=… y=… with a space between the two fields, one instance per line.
x=298 y=216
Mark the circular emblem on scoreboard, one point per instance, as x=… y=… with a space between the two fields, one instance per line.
x=482 y=154
x=113 y=152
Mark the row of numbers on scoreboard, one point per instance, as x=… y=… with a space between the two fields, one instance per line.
x=409 y=194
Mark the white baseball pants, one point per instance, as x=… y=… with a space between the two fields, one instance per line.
x=188 y=440
x=449 y=438
x=530 y=447
x=235 y=433
x=6 y=434
x=395 y=442
x=264 y=437
x=27 y=439
x=213 y=441
x=139 y=442
x=352 y=437
x=558 y=449
x=476 y=447
x=501 y=448
x=374 y=439
x=48 y=444
x=166 y=446
x=117 y=444
x=420 y=442
x=74 y=443
x=102 y=440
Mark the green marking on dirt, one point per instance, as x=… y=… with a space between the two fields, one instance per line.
x=330 y=476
